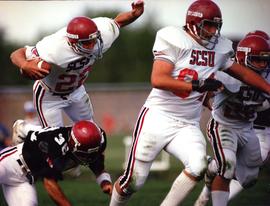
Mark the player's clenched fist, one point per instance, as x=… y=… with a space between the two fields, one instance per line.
x=137 y=8
x=35 y=69
x=106 y=187
x=206 y=85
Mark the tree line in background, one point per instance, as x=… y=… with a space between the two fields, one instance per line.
x=129 y=59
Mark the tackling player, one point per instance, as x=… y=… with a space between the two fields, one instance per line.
x=72 y=52
x=47 y=152
x=184 y=62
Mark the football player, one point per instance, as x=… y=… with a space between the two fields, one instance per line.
x=71 y=52
x=46 y=153
x=261 y=129
x=184 y=62
x=230 y=131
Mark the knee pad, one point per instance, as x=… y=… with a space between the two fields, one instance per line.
x=230 y=168
x=197 y=167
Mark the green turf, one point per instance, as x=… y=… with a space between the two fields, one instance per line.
x=83 y=191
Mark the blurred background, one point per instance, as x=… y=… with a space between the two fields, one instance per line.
x=119 y=83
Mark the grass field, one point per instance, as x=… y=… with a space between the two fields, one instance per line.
x=83 y=191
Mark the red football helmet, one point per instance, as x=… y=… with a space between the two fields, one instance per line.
x=82 y=31
x=85 y=141
x=201 y=13
x=259 y=33
x=253 y=49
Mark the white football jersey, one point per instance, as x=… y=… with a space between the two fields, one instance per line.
x=70 y=69
x=237 y=105
x=191 y=61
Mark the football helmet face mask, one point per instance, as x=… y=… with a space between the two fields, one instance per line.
x=84 y=37
x=203 y=14
x=85 y=141
x=254 y=52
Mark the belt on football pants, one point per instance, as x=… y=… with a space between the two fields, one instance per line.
x=26 y=170
x=259 y=127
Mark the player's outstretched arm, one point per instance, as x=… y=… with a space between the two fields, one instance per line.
x=249 y=77
x=126 y=18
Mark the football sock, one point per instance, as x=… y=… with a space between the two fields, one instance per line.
x=117 y=199
x=220 y=198
x=179 y=190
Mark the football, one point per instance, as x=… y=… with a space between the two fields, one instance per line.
x=41 y=64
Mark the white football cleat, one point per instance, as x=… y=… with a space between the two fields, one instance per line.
x=19 y=133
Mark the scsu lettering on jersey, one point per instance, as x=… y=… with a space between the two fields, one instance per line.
x=78 y=64
x=202 y=58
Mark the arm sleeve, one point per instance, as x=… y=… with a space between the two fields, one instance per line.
x=109 y=31
x=164 y=48
x=31 y=52
x=229 y=57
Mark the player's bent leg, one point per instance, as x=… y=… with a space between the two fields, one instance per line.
x=22 y=194
x=220 y=184
x=247 y=169
x=195 y=164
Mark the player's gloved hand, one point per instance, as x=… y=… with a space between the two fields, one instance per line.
x=204 y=85
x=106 y=187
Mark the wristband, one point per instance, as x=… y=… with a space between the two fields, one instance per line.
x=195 y=85
x=102 y=177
